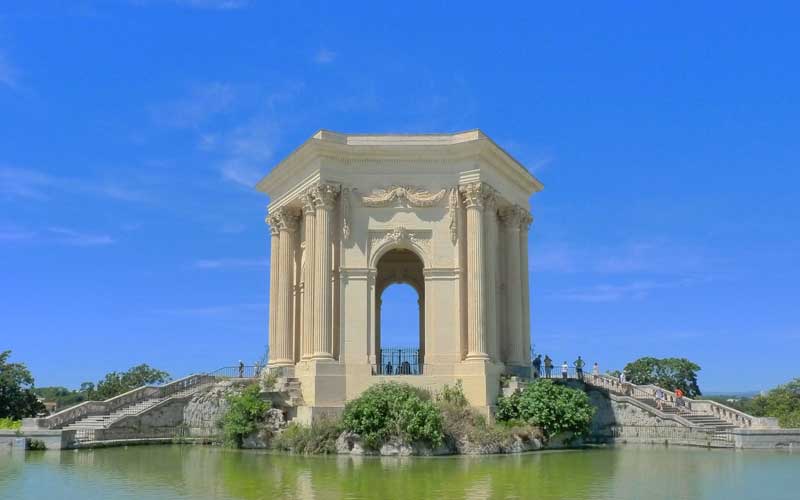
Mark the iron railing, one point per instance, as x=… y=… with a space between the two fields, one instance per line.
x=400 y=361
x=247 y=371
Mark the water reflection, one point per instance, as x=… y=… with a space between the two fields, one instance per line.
x=211 y=473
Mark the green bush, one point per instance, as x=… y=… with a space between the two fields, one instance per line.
x=320 y=438
x=7 y=423
x=553 y=407
x=394 y=410
x=247 y=410
x=36 y=444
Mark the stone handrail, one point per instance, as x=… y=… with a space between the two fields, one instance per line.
x=701 y=406
x=91 y=408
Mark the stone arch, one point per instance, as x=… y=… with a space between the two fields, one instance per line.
x=400 y=265
x=399 y=238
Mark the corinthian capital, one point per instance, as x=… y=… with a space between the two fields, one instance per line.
x=325 y=195
x=307 y=199
x=272 y=222
x=511 y=216
x=474 y=194
x=286 y=218
x=525 y=220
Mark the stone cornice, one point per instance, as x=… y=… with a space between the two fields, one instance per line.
x=418 y=148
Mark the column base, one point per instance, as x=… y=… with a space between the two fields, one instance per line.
x=323 y=382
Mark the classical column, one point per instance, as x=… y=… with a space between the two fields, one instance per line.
x=307 y=336
x=490 y=245
x=476 y=319
x=324 y=202
x=525 y=222
x=378 y=305
x=421 y=306
x=284 y=345
x=274 y=273
x=513 y=345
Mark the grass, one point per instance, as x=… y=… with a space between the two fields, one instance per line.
x=7 y=423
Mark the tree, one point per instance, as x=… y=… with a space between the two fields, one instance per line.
x=17 y=400
x=62 y=396
x=114 y=383
x=246 y=411
x=782 y=402
x=669 y=373
x=555 y=408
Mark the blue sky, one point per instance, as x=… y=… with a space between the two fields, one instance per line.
x=131 y=133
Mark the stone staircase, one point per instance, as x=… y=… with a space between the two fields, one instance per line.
x=86 y=426
x=702 y=414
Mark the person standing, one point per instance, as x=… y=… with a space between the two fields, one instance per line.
x=537 y=365
x=659 y=399
x=596 y=371
x=564 y=370
x=679 y=398
x=579 y=368
x=548 y=366
x=241 y=369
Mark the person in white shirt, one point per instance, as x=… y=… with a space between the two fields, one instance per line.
x=564 y=370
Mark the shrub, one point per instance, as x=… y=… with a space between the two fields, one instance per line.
x=7 y=423
x=36 y=444
x=453 y=395
x=553 y=407
x=247 y=410
x=320 y=438
x=462 y=424
x=394 y=410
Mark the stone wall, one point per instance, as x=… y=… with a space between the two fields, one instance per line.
x=203 y=412
x=613 y=412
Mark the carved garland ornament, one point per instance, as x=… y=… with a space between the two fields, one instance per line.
x=414 y=196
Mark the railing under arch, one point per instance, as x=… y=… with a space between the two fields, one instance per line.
x=400 y=361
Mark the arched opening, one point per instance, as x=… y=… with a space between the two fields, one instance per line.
x=399 y=332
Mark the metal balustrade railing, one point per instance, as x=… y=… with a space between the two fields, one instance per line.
x=400 y=361
x=246 y=371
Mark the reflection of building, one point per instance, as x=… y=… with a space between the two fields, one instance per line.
x=351 y=214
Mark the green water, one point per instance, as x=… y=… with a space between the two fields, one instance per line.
x=197 y=472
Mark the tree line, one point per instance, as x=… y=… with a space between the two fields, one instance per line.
x=19 y=398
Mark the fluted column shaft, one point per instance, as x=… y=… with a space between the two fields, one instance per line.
x=525 y=223
x=274 y=273
x=514 y=345
x=324 y=202
x=476 y=317
x=284 y=341
x=309 y=271
x=492 y=331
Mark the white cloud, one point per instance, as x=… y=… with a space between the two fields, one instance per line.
x=645 y=256
x=203 y=103
x=215 y=4
x=71 y=237
x=636 y=290
x=198 y=4
x=9 y=75
x=230 y=263
x=16 y=235
x=247 y=150
x=33 y=184
x=324 y=56
x=217 y=310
